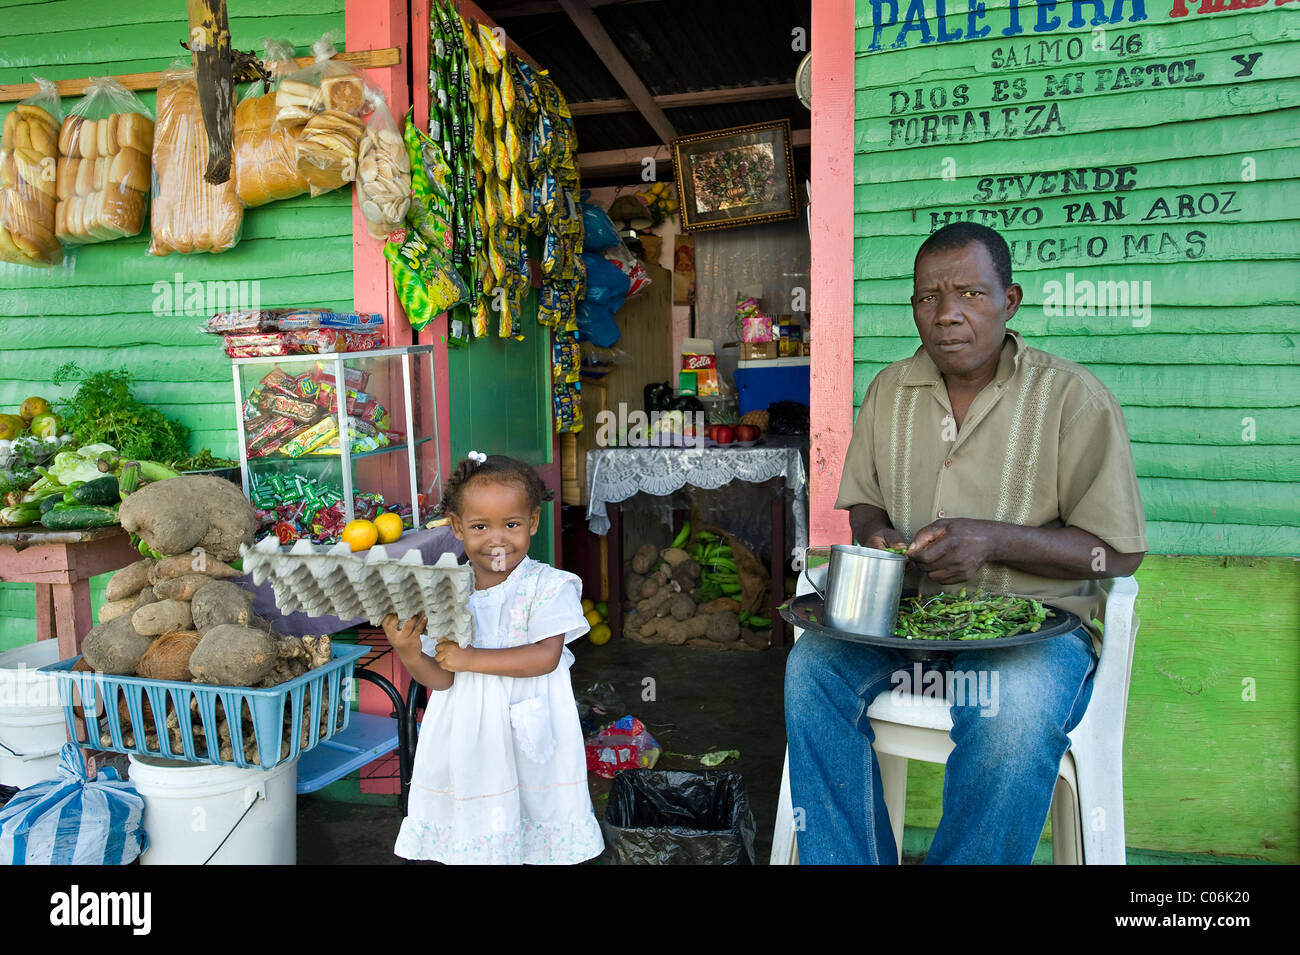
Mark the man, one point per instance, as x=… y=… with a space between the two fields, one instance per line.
x=1001 y=468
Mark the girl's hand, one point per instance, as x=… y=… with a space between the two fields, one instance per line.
x=406 y=639
x=452 y=657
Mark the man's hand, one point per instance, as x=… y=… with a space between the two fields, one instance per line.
x=951 y=550
x=452 y=657
x=885 y=538
x=406 y=638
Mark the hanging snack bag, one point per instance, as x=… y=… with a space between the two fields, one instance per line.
x=266 y=157
x=189 y=214
x=104 y=166
x=29 y=154
x=383 y=171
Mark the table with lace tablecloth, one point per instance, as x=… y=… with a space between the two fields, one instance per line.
x=616 y=474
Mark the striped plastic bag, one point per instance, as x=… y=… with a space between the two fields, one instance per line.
x=73 y=820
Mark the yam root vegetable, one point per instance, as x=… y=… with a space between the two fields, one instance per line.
x=128 y=581
x=649 y=627
x=179 y=514
x=155 y=619
x=681 y=607
x=686 y=574
x=645 y=558
x=115 y=647
x=234 y=655
x=755 y=640
x=183 y=565
x=650 y=587
x=632 y=585
x=145 y=597
x=180 y=588
x=720 y=604
x=723 y=627
x=168 y=657
x=115 y=608
x=702 y=643
x=677 y=632
x=220 y=602
x=672 y=556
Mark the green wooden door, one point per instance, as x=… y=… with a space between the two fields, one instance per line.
x=500 y=404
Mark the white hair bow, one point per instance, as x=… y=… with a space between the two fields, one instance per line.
x=478 y=457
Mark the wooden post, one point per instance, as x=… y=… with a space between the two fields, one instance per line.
x=209 y=43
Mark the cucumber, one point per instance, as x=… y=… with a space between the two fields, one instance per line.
x=54 y=500
x=100 y=492
x=77 y=516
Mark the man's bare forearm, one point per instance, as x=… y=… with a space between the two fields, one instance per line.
x=1066 y=552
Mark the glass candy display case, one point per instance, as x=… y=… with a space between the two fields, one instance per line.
x=325 y=439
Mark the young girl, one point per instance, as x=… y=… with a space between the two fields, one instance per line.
x=500 y=772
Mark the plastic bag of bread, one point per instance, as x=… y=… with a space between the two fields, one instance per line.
x=188 y=214
x=266 y=159
x=324 y=85
x=29 y=157
x=383 y=171
x=105 y=144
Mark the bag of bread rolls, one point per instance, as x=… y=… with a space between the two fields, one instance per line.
x=188 y=213
x=383 y=171
x=266 y=158
x=103 y=180
x=325 y=85
x=29 y=162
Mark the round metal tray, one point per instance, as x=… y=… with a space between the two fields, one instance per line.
x=807 y=612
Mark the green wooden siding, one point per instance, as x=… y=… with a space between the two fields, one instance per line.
x=103 y=310
x=1094 y=175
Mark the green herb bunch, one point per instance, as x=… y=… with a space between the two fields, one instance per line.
x=104 y=410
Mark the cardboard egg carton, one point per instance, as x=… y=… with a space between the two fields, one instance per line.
x=338 y=582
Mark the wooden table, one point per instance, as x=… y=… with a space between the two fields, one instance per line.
x=60 y=564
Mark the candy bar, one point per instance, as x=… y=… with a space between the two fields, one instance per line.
x=265 y=345
x=261 y=435
x=352 y=377
x=279 y=380
x=313 y=341
x=303 y=412
x=308 y=438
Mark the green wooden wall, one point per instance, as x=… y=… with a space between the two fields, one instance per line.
x=1153 y=149
x=103 y=309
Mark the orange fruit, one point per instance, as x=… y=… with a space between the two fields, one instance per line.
x=389 y=527
x=360 y=534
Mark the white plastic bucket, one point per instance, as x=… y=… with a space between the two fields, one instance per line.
x=32 y=729
x=190 y=808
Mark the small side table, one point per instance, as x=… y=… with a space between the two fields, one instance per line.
x=60 y=564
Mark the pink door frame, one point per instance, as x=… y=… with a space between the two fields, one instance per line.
x=831 y=203
x=378 y=24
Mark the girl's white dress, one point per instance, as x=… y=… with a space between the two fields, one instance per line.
x=500 y=773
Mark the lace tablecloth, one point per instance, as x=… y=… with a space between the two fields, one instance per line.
x=615 y=474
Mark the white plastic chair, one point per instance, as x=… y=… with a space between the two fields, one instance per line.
x=1088 y=802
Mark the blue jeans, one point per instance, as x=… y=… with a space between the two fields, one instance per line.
x=1011 y=710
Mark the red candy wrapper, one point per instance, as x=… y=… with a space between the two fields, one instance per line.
x=264 y=345
x=269 y=434
x=286 y=532
x=359 y=341
x=277 y=379
x=314 y=341
x=354 y=378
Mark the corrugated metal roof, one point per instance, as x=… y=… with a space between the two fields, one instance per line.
x=675 y=46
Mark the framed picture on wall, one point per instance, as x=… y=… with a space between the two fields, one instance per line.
x=735 y=177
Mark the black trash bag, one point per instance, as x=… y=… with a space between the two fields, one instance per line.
x=657 y=395
x=7 y=793
x=787 y=417
x=662 y=817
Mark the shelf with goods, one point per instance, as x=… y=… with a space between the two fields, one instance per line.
x=341 y=436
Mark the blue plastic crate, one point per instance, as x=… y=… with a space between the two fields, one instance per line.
x=328 y=686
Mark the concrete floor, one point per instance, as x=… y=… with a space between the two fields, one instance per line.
x=692 y=700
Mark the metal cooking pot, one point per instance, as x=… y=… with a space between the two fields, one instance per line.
x=861 y=587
